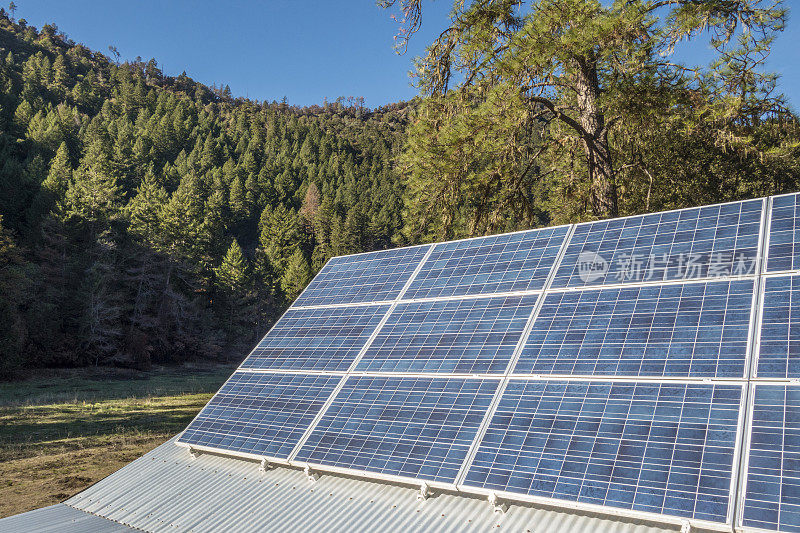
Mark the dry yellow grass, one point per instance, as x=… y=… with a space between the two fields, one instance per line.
x=51 y=449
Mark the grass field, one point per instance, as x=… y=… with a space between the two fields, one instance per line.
x=66 y=429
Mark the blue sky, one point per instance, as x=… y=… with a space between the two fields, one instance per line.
x=304 y=50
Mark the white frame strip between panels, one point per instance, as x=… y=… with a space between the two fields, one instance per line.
x=743 y=440
x=523 y=338
x=315 y=422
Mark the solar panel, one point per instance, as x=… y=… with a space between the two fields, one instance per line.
x=473 y=335
x=623 y=354
x=261 y=414
x=772 y=493
x=683 y=329
x=369 y=277
x=500 y=263
x=784 y=234
x=712 y=241
x=779 y=345
x=316 y=339
x=413 y=427
x=664 y=448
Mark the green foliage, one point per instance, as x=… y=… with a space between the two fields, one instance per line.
x=296 y=277
x=124 y=189
x=565 y=110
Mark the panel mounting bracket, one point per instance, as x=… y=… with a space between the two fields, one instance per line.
x=194 y=452
x=498 y=506
x=310 y=475
x=424 y=492
x=265 y=465
x=686 y=527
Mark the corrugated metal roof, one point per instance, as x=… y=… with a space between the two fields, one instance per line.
x=60 y=518
x=167 y=490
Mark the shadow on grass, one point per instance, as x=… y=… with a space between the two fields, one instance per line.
x=50 y=386
x=52 y=415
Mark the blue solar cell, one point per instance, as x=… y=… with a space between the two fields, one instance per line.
x=370 y=277
x=772 y=491
x=326 y=339
x=784 y=234
x=474 y=335
x=685 y=329
x=653 y=447
x=500 y=263
x=261 y=414
x=713 y=241
x=412 y=427
x=779 y=346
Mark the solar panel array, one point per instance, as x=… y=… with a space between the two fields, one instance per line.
x=613 y=365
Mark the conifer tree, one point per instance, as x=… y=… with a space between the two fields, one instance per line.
x=279 y=237
x=296 y=277
x=144 y=209
x=235 y=293
x=94 y=196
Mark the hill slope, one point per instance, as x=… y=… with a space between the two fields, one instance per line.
x=148 y=218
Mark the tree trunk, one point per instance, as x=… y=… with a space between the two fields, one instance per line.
x=595 y=139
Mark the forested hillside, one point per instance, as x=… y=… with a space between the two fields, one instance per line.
x=152 y=219
x=148 y=218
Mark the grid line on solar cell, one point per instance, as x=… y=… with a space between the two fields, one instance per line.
x=402 y=426
x=784 y=234
x=499 y=263
x=772 y=492
x=472 y=336
x=650 y=447
x=779 y=339
x=712 y=241
x=316 y=339
x=370 y=277
x=261 y=414
x=679 y=329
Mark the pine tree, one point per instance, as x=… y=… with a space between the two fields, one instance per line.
x=310 y=208
x=296 y=277
x=237 y=201
x=233 y=274
x=144 y=209
x=182 y=222
x=94 y=197
x=279 y=237
x=235 y=301
x=60 y=173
